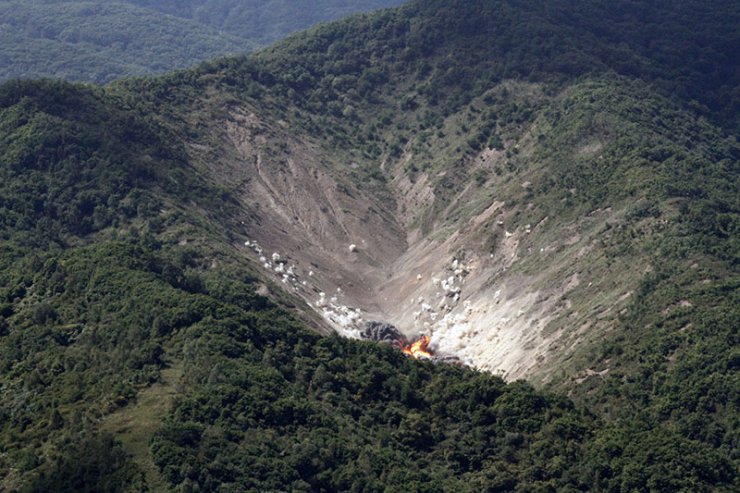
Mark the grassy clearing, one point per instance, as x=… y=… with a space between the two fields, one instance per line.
x=135 y=424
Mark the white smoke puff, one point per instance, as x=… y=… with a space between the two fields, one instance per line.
x=353 y=248
x=263 y=259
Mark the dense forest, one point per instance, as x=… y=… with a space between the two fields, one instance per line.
x=100 y=41
x=136 y=352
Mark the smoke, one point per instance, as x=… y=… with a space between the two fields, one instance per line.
x=383 y=332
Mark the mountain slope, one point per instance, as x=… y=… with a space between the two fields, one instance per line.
x=572 y=223
x=260 y=21
x=101 y=41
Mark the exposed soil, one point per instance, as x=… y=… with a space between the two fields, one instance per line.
x=354 y=259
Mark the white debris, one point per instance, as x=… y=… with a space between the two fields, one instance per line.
x=507 y=234
x=353 y=248
x=275 y=257
x=310 y=273
x=418 y=277
x=280 y=268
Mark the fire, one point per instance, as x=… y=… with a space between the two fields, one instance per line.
x=418 y=349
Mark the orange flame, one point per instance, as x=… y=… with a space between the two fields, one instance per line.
x=418 y=349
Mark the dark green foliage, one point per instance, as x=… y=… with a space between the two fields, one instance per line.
x=318 y=414
x=452 y=51
x=92 y=464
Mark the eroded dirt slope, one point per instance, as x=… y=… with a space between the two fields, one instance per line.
x=511 y=297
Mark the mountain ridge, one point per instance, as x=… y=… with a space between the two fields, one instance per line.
x=101 y=41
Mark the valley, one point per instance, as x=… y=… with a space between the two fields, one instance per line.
x=459 y=245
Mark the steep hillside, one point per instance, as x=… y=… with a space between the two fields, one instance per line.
x=544 y=189
x=516 y=185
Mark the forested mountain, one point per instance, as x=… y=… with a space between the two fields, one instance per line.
x=259 y=21
x=548 y=190
x=97 y=41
